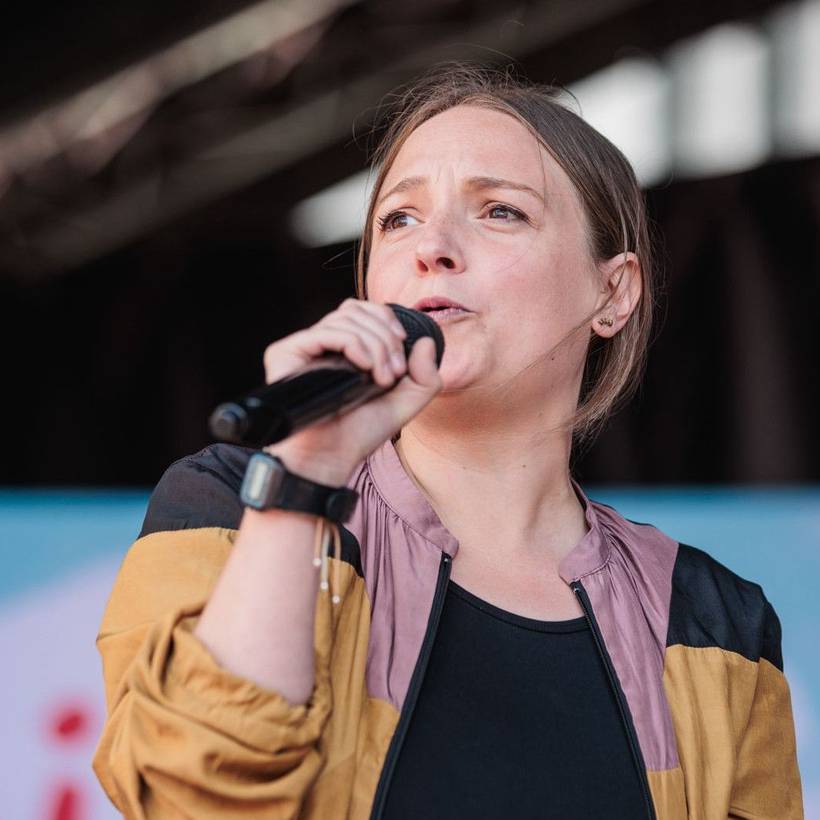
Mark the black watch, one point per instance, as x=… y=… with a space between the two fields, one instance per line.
x=268 y=484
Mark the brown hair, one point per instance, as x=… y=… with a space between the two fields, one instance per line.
x=611 y=198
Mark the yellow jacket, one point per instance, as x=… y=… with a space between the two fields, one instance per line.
x=692 y=650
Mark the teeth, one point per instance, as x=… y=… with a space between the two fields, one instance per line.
x=443 y=309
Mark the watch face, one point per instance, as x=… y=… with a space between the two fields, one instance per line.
x=267 y=484
x=262 y=481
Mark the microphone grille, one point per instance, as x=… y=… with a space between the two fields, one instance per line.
x=418 y=324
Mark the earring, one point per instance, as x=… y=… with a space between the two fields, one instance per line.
x=606 y=321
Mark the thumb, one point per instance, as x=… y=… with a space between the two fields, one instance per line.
x=422 y=368
x=416 y=388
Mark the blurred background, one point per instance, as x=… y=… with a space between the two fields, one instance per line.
x=180 y=185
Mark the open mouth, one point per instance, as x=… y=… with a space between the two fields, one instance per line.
x=442 y=313
x=442 y=308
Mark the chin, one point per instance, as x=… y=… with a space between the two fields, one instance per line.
x=454 y=376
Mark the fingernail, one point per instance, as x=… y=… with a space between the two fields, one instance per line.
x=397 y=361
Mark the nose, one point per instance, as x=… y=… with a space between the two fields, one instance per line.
x=438 y=251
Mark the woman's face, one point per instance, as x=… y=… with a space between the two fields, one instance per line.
x=475 y=210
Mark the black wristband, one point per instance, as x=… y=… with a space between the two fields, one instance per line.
x=269 y=485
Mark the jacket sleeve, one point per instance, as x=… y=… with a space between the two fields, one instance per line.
x=767 y=777
x=183 y=737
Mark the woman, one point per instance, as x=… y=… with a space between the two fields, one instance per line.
x=491 y=643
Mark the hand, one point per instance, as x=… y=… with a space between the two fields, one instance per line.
x=371 y=337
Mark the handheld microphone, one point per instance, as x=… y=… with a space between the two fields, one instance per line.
x=328 y=386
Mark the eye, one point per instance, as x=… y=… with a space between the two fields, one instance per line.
x=393 y=220
x=505 y=213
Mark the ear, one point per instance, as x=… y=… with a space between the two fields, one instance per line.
x=621 y=287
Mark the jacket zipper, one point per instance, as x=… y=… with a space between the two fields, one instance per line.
x=413 y=690
x=626 y=717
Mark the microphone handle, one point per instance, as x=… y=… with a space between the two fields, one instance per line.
x=329 y=386
x=277 y=410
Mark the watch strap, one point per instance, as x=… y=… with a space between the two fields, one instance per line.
x=268 y=484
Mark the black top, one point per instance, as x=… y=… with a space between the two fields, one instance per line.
x=515 y=718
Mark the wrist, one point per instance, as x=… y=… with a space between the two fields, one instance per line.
x=313 y=466
x=269 y=482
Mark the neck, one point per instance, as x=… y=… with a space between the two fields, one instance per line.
x=512 y=484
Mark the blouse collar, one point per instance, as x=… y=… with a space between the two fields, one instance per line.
x=411 y=505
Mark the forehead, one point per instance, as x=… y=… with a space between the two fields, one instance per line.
x=473 y=141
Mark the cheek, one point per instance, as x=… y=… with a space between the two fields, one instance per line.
x=379 y=289
x=546 y=297
x=534 y=282
x=373 y=278
x=383 y=276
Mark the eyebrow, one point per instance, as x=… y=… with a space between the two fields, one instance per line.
x=473 y=183
x=483 y=183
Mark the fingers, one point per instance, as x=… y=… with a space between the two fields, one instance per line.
x=367 y=334
x=416 y=389
x=381 y=320
x=384 y=350
x=379 y=330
